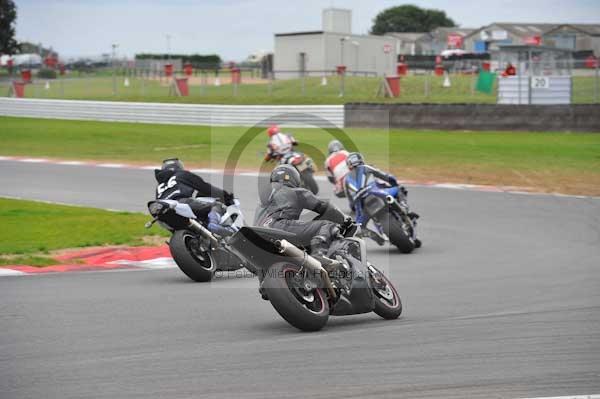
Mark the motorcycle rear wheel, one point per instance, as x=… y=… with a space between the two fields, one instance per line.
x=198 y=267
x=305 y=310
x=394 y=229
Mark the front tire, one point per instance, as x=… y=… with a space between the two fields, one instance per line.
x=305 y=310
x=200 y=267
x=309 y=181
x=387 y=301
x=398 y=233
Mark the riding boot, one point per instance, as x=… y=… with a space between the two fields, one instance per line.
x=319 y=248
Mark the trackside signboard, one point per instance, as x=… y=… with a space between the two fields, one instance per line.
x=540 y=82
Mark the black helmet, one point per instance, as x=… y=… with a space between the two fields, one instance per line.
x=335 y=146
x=354 y=159
x=286 y=174
x=172 y=164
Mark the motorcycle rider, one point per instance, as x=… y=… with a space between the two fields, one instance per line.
x=285 y=204
x=176 y=183
x=336 y=167
x=279 y=143
x=358 y=177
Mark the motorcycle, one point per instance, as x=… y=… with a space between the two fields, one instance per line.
x=197 y=251
x=387 y=207
x=305 y=166
x=304 y=291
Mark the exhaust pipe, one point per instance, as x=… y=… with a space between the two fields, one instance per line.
x=390 y=200
x=204 y=232
x=303 y=259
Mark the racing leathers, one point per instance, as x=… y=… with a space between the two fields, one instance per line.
x=185 y=187
x=336 y=168
x=279 y=145
x=282 y=211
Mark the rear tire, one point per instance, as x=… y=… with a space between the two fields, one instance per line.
x=307 y=311
x=398 y=236
x=191 y=264
x=387 y=301
x=309 y=181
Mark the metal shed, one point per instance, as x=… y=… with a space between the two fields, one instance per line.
x=320 y=52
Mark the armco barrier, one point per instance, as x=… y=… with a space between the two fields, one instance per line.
x=577 y=117
x=184 y=114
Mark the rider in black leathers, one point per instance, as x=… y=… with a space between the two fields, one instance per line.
x=285 y=204
x=176 y=183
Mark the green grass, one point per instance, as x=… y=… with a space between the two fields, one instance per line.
x=567 y=162
x=31 y=230
x=29 y=260
x=357 y=89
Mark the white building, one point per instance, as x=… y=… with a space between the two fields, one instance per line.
x=316 y=53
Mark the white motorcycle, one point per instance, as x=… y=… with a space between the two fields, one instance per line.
x=196 y=250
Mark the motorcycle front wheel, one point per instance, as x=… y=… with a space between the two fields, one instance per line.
x=199 y=266
x=307 y=310
x=387 y=301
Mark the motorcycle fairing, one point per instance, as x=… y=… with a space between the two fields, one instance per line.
x=360 y=299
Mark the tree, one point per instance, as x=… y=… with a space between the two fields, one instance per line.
x=8 y=16
x=409 y=18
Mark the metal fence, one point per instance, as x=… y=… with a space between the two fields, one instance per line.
x=185 y=114
x=452 y=82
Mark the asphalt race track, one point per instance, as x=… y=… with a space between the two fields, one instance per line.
x=502 y=301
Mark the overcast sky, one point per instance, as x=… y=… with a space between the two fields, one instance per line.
x=236 y=28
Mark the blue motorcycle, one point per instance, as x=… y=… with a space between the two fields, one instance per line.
x=386 y=206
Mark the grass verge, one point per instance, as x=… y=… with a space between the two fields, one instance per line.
x=32 y=230
x=553 y=162
x=414 y=89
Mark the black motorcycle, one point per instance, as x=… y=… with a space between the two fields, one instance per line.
x=197 y=251
x=305 y=291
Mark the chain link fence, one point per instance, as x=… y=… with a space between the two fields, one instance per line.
x=450 y=82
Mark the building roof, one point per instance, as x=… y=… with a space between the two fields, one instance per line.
x=526 y=29
x=590 y=29
x=457 y=30
x=312 y=32
x=522 y=29
x=407 y=36
x=526 y=47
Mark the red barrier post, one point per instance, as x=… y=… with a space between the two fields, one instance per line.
x=236 y=76
x=394 y=84
x=18 y=89
x=402 y=69
x=591 y=62
x=168 y=70
x=182 y=86
x=26 y=75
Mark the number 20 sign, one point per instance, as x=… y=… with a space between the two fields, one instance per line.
x=540 y=82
